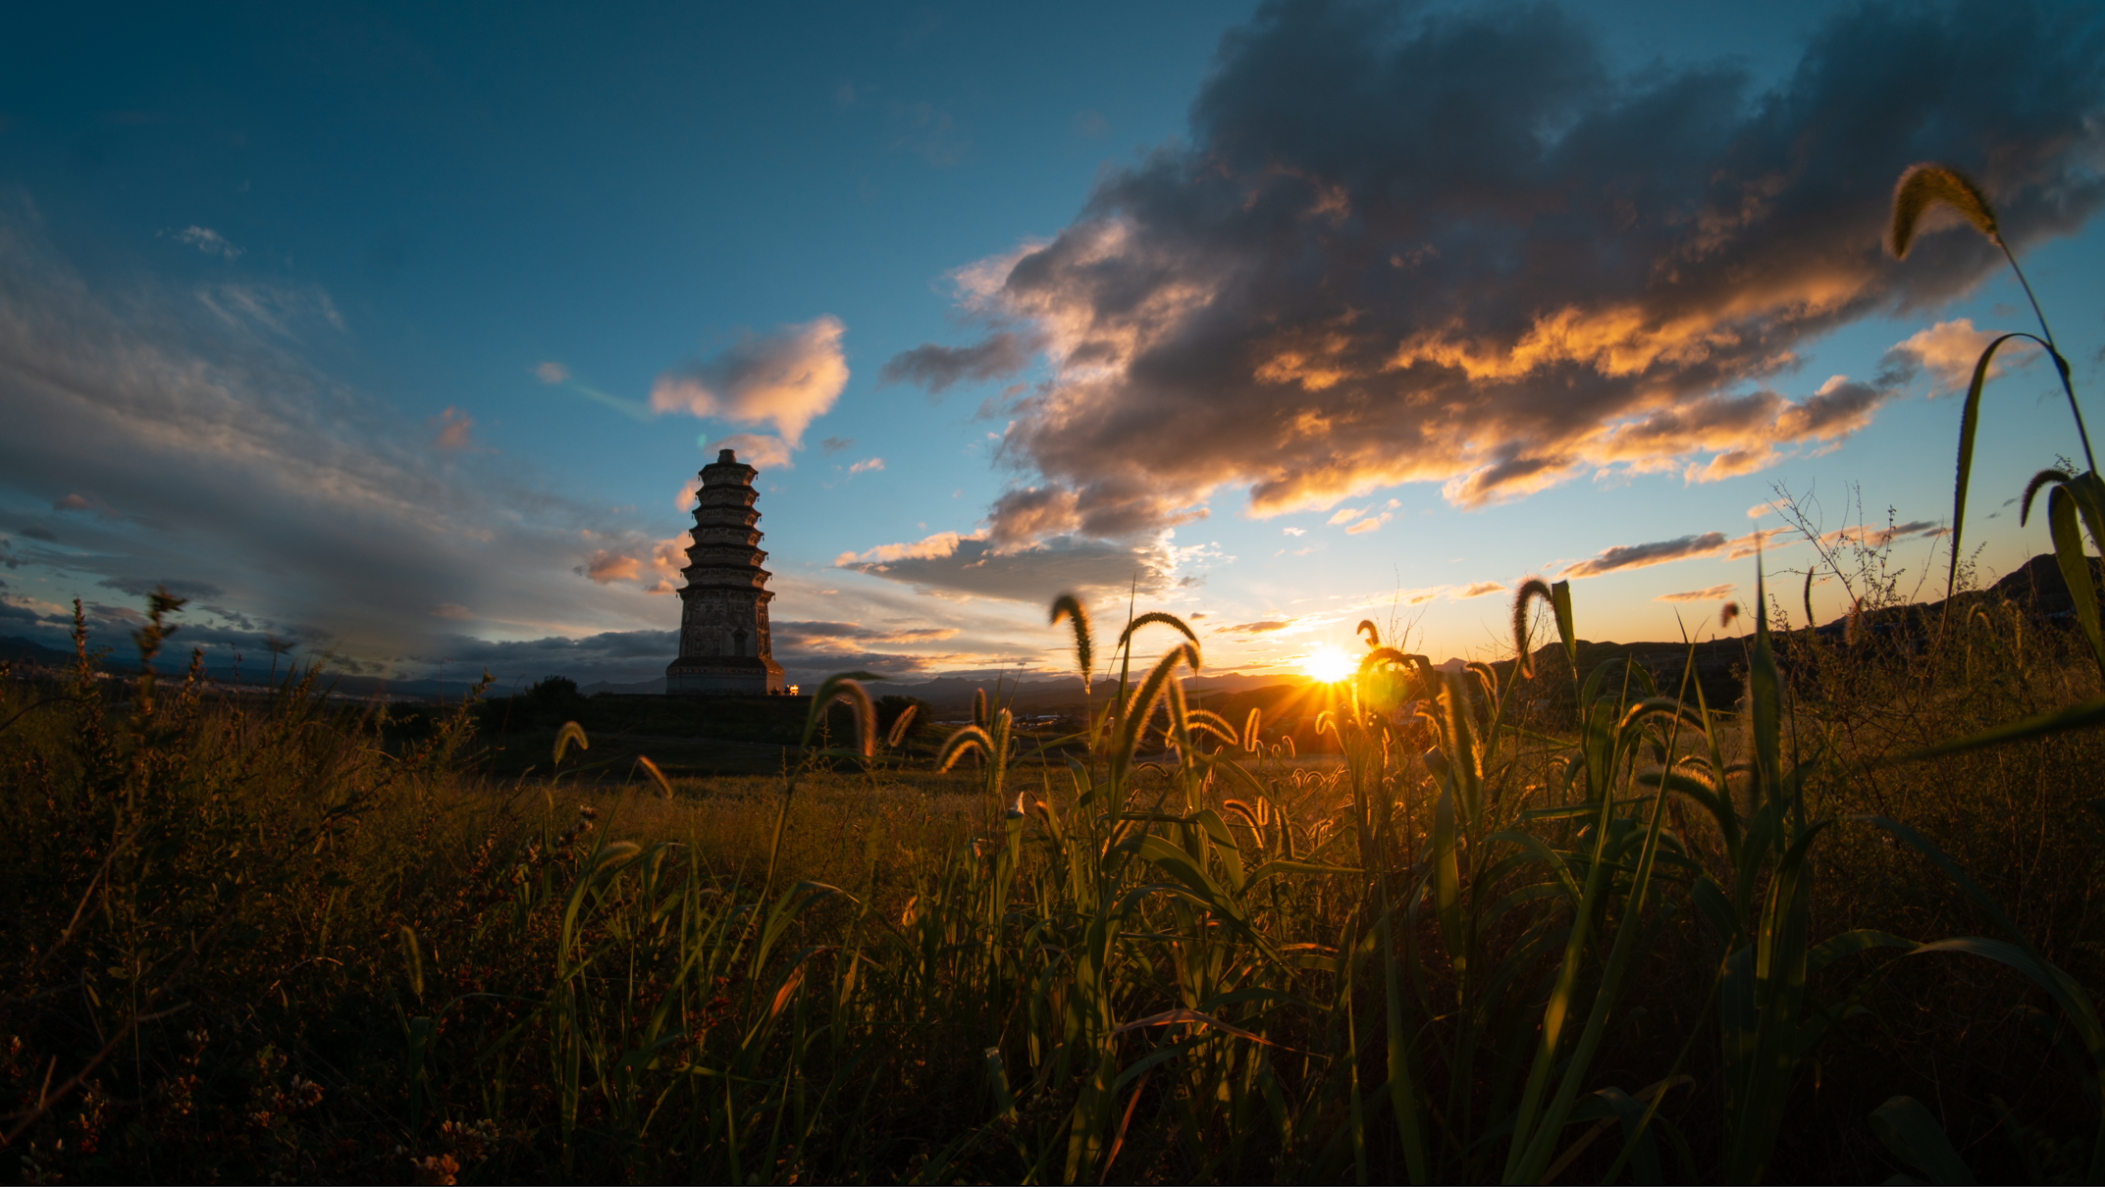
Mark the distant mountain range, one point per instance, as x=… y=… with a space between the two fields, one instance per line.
x=2037 y=585
x=945 y=693
x=21 y=650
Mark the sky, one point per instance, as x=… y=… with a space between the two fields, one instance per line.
x=399 y=333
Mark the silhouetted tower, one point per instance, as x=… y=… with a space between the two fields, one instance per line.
x=724 y=645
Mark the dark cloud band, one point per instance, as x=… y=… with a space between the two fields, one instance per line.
x=1456 y=247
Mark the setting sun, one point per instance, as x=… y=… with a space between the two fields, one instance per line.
x=1328 y=665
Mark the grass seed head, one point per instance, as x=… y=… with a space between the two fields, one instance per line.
x=1069 y=607
x=1529 y=591
x=1926 y=185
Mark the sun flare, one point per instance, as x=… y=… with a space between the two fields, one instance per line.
x=1328 y=665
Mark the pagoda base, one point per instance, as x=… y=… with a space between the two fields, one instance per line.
x=723 y=676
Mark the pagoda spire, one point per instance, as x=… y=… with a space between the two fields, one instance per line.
x=724 y=645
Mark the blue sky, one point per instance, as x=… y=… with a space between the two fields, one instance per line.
x=368 y=327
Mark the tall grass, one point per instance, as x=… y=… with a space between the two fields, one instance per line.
x=1624 y=933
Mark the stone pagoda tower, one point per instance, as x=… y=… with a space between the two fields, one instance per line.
x=724 y=645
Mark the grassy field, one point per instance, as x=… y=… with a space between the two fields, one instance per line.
x=306 y=940
x=1798 y=905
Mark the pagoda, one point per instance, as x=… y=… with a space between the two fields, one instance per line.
x=724 y=645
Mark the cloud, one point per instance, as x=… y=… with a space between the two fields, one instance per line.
x=1713 y=594
x=1479 y=589
x=787 y=379
x=837 y=634
x=1260 y=628
x=280 y=309
x=1293 y=531
x=1365 y=525
x=452 y=610
x=758 y=450
x=209 y=241
x=937 y=368
x=975 y=565
x=551 y=372
x=1753 y=542
x=140 y=587
x=245 y=466
x=1639 y=556
x=866 y=465
x=936 y=547
x=454 y=427
x=1455 y=246
x=605 y=565
x=832 y=445
x=1948 y=351
x=1708 y=544
x=1872 y=537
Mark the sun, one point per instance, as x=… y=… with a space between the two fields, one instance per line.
x=1328 y=665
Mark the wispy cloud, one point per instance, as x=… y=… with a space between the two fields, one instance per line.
x=974 y=565
x=1715 y=593
x=1639 y=556
x=226 y=458
x=455 y=429
x=936 y=368
x=209 y=241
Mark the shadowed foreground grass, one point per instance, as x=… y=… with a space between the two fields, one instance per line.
x=250 y=941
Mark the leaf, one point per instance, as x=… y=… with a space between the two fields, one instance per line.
x=2075 y=567
x=1711 y=900
x=1447 y=881
x=2081 y=715
x=1183 y=1017
x=413 y=961
x=1969 y=424
x=1849 y=943
x=1914 y=1137
x=2065 y=991
x=1560 y=599
x=1764 y=693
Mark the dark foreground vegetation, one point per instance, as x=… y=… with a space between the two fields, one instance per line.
x=299 y=939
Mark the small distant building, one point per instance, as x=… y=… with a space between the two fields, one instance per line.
x=724 y=644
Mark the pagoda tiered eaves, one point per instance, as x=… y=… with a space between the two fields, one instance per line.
x=725 y=647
